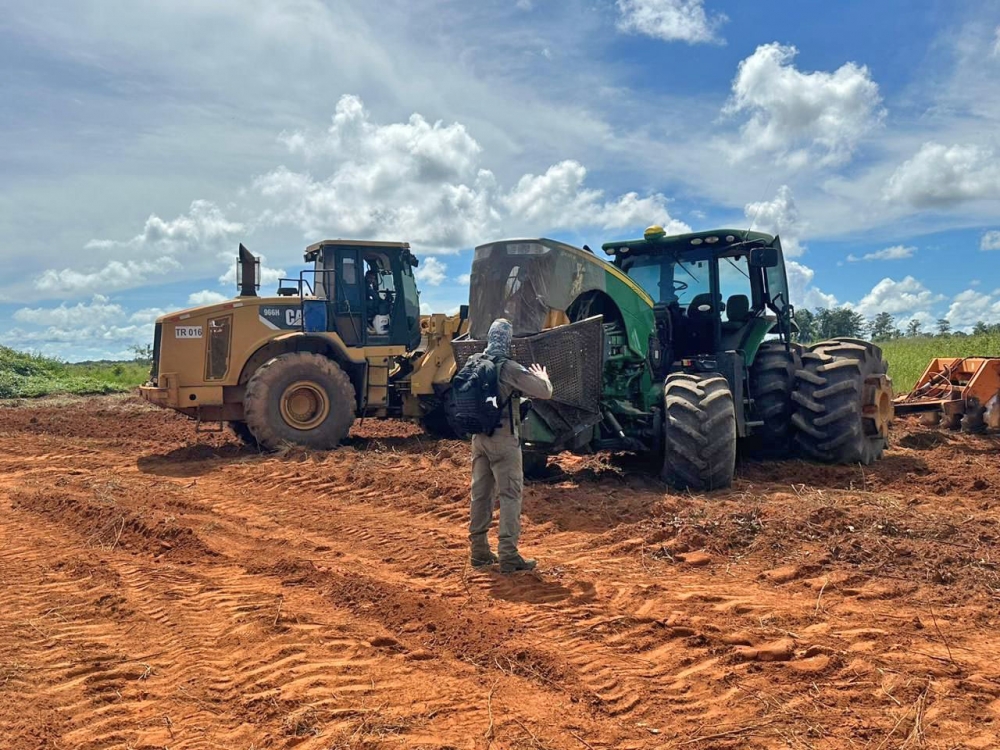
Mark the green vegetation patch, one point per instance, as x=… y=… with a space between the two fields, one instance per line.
x=909 y=357
x=24 y=375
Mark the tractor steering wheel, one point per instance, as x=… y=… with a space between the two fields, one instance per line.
x=680 y=286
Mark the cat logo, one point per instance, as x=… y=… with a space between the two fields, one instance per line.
x=281 y=317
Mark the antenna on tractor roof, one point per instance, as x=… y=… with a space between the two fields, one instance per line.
x=760 y=205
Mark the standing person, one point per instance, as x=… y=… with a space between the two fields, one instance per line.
x=496 y=457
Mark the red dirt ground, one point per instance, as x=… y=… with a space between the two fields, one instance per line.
x=163 y=589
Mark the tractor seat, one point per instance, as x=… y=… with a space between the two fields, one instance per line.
x=737 y=313
x=694 y=311
x=701 y=322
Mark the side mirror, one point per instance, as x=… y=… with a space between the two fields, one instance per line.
x=764 y=257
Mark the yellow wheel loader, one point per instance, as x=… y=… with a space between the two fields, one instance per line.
x=344 y=340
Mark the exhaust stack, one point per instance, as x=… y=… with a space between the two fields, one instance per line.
x=247 y=273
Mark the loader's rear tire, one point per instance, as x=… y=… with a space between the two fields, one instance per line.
x=772 y=382
x=843 y=402
x=699 y=432
x=242 y=431
x=300 y=398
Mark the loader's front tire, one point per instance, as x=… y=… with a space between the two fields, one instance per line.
x=772 y=382
x=436 y=421
x=843 y=402
x=300 y=398
x=241 y=431
x=699 y=432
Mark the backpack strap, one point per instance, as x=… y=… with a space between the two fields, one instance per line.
x=498 y=362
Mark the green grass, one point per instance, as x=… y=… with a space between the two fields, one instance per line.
x=24 y=375
x=909 y=357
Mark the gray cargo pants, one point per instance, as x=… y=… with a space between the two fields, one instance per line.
x=496 y=473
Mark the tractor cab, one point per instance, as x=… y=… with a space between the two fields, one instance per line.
x=722 y=290
x=363 y=291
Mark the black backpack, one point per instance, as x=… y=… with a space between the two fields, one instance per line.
x=475 y=407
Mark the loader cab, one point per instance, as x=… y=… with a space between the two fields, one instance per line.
x=721 y=290
x=366 y=292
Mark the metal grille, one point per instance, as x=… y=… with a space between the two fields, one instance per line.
x=573 y=354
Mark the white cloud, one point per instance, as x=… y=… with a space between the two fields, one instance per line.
x=969 y=307
x=801 y=291
x=112 y=276
x=431 y=271
x=940 y=176
x=778 y=216
x=465 y=279
x=990 y=240
x=425 y=182
x=996 y=42
x=896 y=252
x=802 y=118
x=268 y=276
x=895 y=297
x=670 y=20
x=96 y=335
x=525 y=5
x=147 y=315
x=206 y=297
x=559 y=200
x=192 y=241
x=99 y=310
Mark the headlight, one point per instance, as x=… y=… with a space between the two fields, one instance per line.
x=526 y=248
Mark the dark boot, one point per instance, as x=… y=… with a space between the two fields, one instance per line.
x=516 y=564
x=482 y=556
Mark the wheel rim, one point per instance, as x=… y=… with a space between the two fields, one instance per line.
x=878 y=410
x=304 y=405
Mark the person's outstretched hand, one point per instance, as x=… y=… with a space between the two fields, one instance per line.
x=538 y=371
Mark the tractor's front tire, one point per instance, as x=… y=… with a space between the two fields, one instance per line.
x=534 y=464
x=772 y=382
x=300 y=398
x=843 y=402
x=699 y=432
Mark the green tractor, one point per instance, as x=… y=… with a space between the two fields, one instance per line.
x=680 y=346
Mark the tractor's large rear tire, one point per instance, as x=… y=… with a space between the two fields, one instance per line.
x=772 y=382
x=843 y=402
x=300 y=398
x=699 y=432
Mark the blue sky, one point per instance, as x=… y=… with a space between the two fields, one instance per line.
x=145 y=140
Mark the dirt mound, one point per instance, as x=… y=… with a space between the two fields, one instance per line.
x=165 y=588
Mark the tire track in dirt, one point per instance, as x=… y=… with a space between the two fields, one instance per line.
x=676 y=660
x=294 y=593
x=607 y=659
x=196 y=622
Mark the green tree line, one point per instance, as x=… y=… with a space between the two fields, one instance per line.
x=826 y=323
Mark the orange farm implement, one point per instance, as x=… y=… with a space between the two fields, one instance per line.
x=958 y=392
